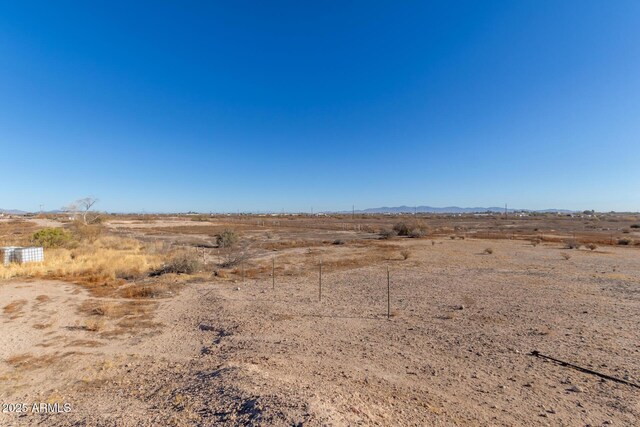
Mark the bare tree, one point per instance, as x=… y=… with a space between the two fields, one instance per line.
x=231 y=249
x=83 y=207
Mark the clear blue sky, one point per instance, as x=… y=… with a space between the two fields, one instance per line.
x=268 y=105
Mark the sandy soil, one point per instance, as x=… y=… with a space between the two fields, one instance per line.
x=454 y=352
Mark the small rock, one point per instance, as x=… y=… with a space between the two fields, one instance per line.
x=205 y=327
x=575 y=389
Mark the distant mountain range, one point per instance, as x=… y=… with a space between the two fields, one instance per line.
x=12 y=212
x=390 y=210
x=448 y=209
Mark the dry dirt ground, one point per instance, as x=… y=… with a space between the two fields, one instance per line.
x=454 y=352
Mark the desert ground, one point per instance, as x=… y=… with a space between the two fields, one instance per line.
x=323 y=322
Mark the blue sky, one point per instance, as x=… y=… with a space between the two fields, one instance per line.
x=226 y=106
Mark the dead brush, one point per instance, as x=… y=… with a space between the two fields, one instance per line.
x=93 y=325
x=99 y=312
x=15 y=307
x=571 y=244
x=16 y=233
x=151 y=290
x=488 y=251
x=43 y=298
x=253 y=272
x=181 y=262
x=544 y=330
x=224 y=274
x=14 y=310
x=86 y=232
x=160 y=247
x=41 y=326
x=405 y=254
x=450 y=315
x=27 y=361
x=387 y=233
x=291 y=244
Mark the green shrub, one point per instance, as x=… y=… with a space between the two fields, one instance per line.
x=51 y=237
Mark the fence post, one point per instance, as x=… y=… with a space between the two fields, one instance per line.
x=320 y=284
x=273 y=273
x=388 y=294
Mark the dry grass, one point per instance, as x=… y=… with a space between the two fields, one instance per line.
x=100 y=265
x=84 y=343
x=114 y=309
x=290 y=244
x=28 y=361
x=14 y=309
x=41 y=326
x=43 y=298
x=94 y=325
x=147 y=290
x=114 y=317
x=16 y=232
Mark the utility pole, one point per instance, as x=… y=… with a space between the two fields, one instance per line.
x=505 y=211
x=353 y=211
